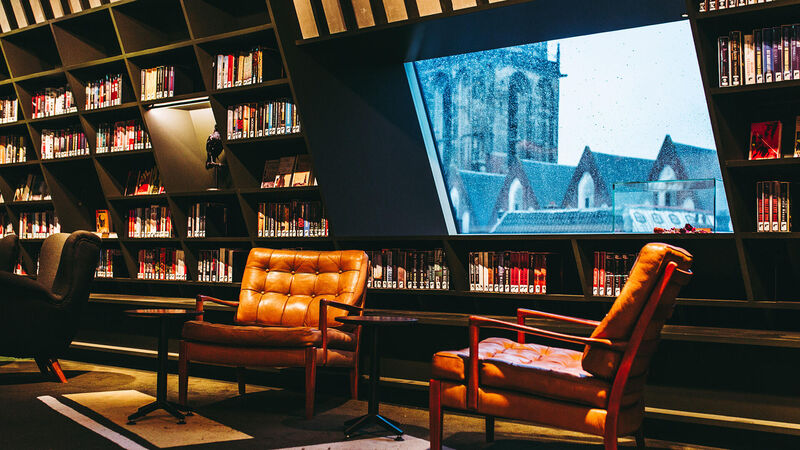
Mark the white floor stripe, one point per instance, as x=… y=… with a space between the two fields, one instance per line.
x=81 y=419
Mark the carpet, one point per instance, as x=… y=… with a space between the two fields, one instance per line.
x=158 y=427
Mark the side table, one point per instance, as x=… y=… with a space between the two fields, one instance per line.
x=372 y=416
x=164 y=316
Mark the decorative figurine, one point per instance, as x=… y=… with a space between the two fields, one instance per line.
x=213 y=150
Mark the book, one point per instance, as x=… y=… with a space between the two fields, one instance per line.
x=797 y=137
x=773 y=206
x=724 y=61
x=271 y=167
x=759 y=59
x=765 y=140
x=510 y=272
x=749 y=59
x=302 y=171
x=102 y=224
x=285 y=169
x=735 y=57
x=305 y=17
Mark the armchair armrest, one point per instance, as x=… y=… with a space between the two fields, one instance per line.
x=198 y=305
x=477 y=322
x=323 y=319
x=21 y=288
x=522 y=313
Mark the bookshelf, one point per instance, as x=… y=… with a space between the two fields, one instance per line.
x=124 y=38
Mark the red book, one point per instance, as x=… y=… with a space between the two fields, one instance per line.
x=775 y=200
x=765 y=140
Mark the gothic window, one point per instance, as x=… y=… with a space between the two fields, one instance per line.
x=465 y=222
x=548 y=125
x=463 y=122
x=515 y=196
x=586 y=191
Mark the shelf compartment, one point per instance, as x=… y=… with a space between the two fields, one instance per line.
x=80 y=78
x=28 y=88
x=146 y=24
x=76 y=191
x=272 y=65
x=86 y=37
x=188 y=79
x=210 y=17
x=31 y=51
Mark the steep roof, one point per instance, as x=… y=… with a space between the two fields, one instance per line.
x=598 y=220
x=698 y=162
x=482 y=190
x=620 y=169
x=549 y=181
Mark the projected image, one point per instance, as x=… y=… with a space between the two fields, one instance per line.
x=534 y=138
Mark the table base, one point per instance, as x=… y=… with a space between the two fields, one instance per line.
x=156 y=405
x=366 y=420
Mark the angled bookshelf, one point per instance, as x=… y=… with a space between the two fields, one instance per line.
x=124 y=38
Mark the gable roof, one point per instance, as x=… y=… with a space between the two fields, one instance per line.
x=698 y=162
x=549 y=181
x=620 y=169
x=481 y=189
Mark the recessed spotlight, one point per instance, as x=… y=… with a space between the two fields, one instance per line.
x=684 y=15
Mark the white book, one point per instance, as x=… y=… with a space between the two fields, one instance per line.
x=749 y=60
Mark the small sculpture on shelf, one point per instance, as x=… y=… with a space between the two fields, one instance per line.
x=213 y=150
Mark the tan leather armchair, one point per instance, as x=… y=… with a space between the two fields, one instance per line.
x=285 y=317
x=597 y=391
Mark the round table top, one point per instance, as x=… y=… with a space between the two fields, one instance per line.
x=377 y=320
x=162 y=312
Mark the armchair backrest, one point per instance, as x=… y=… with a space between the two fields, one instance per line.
x=618 y=324
x=9 y=252
x=285 y=287
x=67 y=263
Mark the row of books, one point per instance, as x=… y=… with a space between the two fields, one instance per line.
x=52 y=102
x=611 y=272
x=19 y=268
x=161 y=264
x=143 y=182
x=408 y=269
x=158 y=82
x=153 y=221
x=38 y=224
x=104 y=92
x=13 y=149
x=64 y=143
x=713 y=5
x=508 y=271
x=262 y=119
x=110 y=260
x=292 y=219
x=288 y=171
x=773 y=206
x=765 y=56
x=122 y=136
x=765 y=140
x=240 y=69
x=224 y=265
x=8 y=110
x=32 y=188
x=207 y=219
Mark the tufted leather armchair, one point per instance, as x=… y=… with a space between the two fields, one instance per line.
x=285 y=317
x=596 y=391
x=39 y=317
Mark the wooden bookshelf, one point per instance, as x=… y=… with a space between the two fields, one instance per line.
x=124 y=38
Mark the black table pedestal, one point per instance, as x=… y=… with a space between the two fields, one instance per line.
x=373 y=417
x=161 y=383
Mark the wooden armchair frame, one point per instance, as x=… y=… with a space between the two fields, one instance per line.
x=310 y=352
x=629 y=348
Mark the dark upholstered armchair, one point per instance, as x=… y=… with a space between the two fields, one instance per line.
x=9 y=252
x=285 y=317
x=39 y=317
x=598 y=391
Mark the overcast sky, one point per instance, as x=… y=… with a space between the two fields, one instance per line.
x=625 y=90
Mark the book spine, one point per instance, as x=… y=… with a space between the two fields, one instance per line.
x=784 y=214
x=760 y=206
x=724 y=63
x=767 y=54
x=775 y=195
x=777 y=54
x=786 y=51
x=758 y=48
x=735 y=45
x=749 y=60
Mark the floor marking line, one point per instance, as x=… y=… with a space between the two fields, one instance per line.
x=86 y=422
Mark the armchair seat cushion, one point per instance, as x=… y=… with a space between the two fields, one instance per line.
x=540 y=370
x=266 y=336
